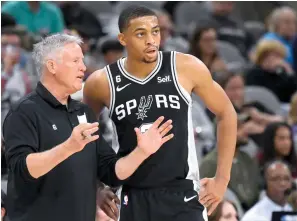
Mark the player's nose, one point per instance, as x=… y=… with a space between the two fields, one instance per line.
x=150 y=40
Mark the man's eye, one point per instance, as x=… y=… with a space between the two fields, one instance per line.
x=156 y=32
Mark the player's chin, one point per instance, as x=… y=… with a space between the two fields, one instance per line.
x=150 y=59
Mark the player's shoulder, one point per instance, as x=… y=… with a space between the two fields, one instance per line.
x=188 y=62
x=96 y=82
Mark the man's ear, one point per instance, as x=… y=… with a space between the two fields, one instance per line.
x=122 y=40
x=51 y=66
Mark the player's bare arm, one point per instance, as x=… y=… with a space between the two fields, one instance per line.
x=96 y=91
x=194 y=76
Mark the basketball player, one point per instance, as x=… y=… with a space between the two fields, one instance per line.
x=140 y=88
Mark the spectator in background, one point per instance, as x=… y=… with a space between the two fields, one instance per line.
x=278 y=144
x=229 y=29
x=112 y=50
x=278 y=183
x=255 y=113
x=282 y=27
x=295 y=54
x=243 y=168
x=41 y=18
x=225 y=211
x=272 y=71
x=3 y=206
x=170 y=42
x=76 y=15
x=15 y=81
x=203 y=46
x=292 y=118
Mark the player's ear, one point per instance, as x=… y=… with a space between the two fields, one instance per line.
x=121 y=39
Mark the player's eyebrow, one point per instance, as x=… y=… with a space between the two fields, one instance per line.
x=139 y=29
x=143 y=29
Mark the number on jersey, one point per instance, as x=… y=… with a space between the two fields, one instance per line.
x=118 y=78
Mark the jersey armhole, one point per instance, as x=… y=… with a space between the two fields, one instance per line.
x=112 y=91
x=182 y=92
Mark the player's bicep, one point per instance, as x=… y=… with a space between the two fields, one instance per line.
x=213 y=96
x=93 y=94
x=210 y=92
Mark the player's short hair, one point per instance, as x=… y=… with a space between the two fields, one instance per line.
x=133 y=12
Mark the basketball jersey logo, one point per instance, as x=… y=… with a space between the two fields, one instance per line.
x=144 y=106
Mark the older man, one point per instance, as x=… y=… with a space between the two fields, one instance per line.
x=52 y=147
x=278 y=185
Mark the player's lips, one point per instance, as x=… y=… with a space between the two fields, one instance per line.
x=151 y=50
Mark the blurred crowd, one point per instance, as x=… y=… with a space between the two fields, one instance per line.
x=254 y=61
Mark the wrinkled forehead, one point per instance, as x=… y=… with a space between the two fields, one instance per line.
x=146 y=22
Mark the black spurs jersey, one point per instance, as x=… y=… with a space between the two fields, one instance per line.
x=138 y=103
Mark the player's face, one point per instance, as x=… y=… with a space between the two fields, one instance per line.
x=142 y=38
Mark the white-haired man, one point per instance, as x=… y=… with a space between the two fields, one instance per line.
x=53 y=152
x=283 y=28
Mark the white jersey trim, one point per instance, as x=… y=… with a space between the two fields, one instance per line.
x=137 y=80
x=193 y=173
x=182 y=92
x=112 y=91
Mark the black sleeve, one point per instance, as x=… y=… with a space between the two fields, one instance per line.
x=107 y=159
x=20 y=139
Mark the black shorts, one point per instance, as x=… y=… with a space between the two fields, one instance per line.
x=161 y=204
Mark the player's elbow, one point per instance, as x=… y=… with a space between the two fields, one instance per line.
x=228 y=113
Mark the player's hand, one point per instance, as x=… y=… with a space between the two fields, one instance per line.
x=81 y=136
x=107 y=201
x=150 y=141
x=212 y=192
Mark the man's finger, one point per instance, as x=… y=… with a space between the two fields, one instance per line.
x=117 y=200
x=167 y=129
x=91 y=138
x=86 y=126
x=89 y=132
x=203 y=182
x=213 y=207
x=209 y=202
x=203 y=195
x=157 y=123
x=164 y=126
x=205 y=199
x=108 y=211
x=114 y=207
x=167 y=138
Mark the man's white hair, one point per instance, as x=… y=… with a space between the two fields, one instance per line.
x=276 y=15
x=49 y=47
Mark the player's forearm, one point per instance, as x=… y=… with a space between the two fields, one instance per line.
x=39 y=164
x=226 y=130
x=127 y=165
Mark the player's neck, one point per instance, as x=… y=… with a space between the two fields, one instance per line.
x=139 y=69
